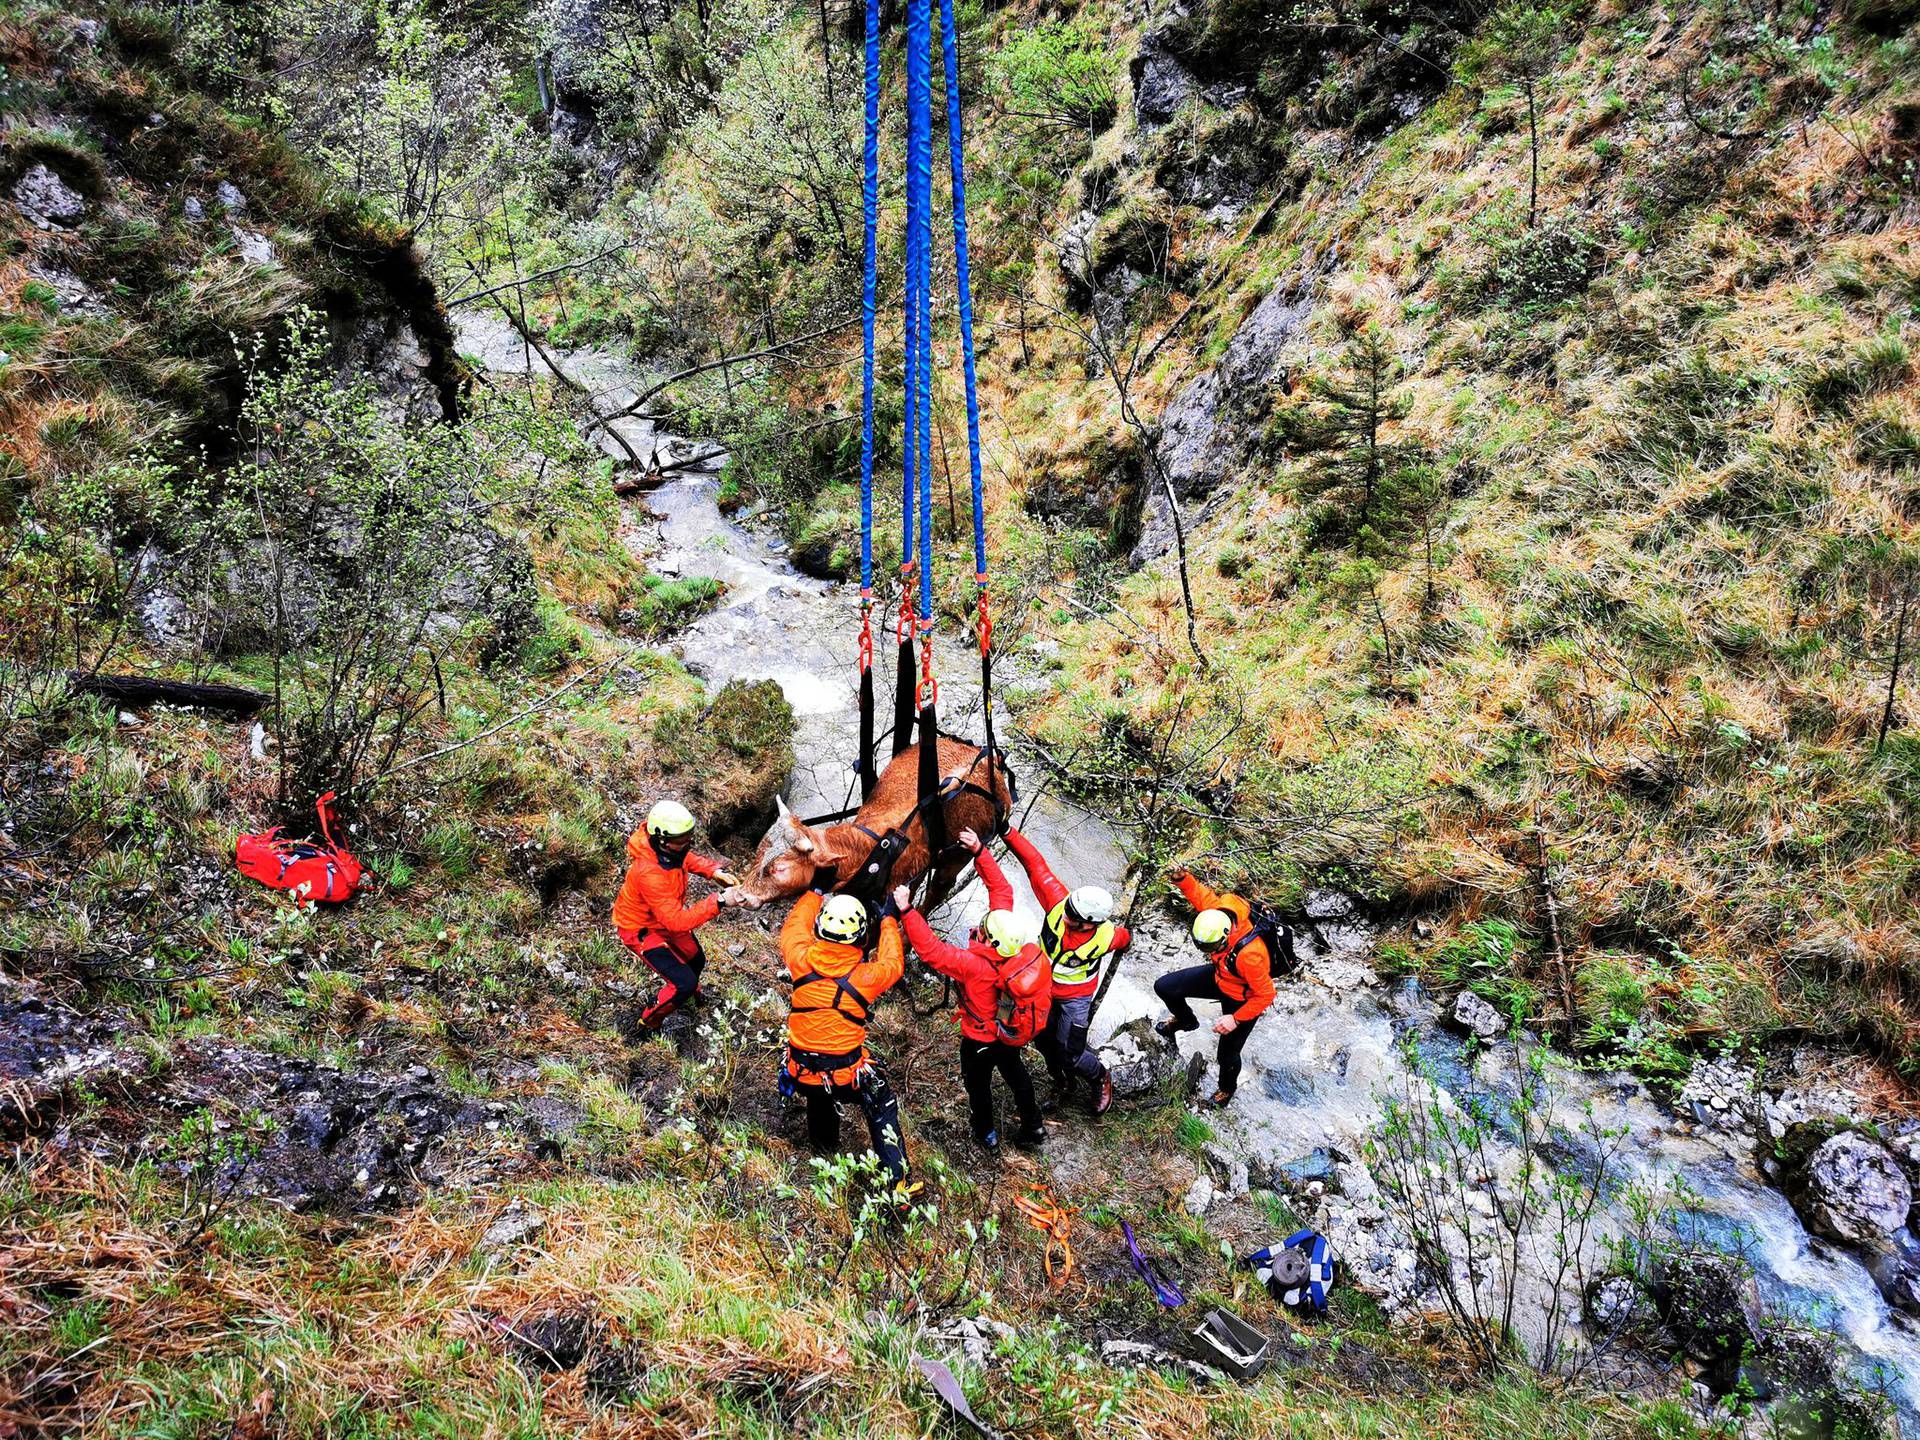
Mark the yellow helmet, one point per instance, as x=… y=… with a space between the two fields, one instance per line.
x=1007 y=932
x=669 y=820
x=842 y=919
x=1211 y=928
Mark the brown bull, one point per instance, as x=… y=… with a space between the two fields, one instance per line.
x=795 y=855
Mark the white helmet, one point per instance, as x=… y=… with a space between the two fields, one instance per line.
x=1091 y=905
x=842 y=919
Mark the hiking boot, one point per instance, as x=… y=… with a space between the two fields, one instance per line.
x=989 y=1142
x=1170 y=1027
x=1058 y=1094
x=1031 y=1137
x=1219 y=1100
x=1102 y=1100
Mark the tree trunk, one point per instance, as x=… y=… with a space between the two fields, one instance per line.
x=1893 y=667
x=143 y=690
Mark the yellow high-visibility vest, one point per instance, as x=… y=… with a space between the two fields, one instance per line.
x=1082 y=963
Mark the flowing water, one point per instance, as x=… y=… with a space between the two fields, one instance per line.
x=1334 y=1045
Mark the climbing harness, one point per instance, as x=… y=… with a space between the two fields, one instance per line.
x=916 y=689
x=1047 y=1214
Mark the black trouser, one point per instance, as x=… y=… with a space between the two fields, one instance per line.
x=875 y=1098
x=1064 y=1041
x=1198 y=983
x=680 y=979
x=978 y=1060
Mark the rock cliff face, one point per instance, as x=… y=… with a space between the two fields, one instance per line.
x=1213 y=424
x=139 y=204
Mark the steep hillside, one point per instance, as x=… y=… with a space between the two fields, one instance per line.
x=1448 y=471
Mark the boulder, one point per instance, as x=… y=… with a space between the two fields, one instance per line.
x=1619 y=1305
x=1199 y=1195
x=1073 y=252
x=1896 y=1270
x=1161 y=84
x=254 y=247
x=1139 y=1060
x=230 y=198
x=1853 y=1190
x=1709 y=1302
x=47 y=200
x=1472 y=1015
x=1206 y=429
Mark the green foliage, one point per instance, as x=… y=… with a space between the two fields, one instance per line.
x=1483 y=957
x=1060 y=73
x=338 y=548
x=669 y=605
x=731 y=756
x=1359 y=473
x=1541 y=266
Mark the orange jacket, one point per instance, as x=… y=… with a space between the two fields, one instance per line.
x=654 y=897
x=1248 y=975
x=826 y=1020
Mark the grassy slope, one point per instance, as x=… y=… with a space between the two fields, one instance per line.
x=1677 y=478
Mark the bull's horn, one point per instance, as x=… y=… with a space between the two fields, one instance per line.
x=781 y=801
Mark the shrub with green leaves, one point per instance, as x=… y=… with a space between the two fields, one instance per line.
x=1540 y=267
x=1061 y=74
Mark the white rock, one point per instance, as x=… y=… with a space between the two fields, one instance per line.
x=1855 y=1191
x=514 y=1225
x=254 y=247
x=47 y=200
x=1476 y=1017
x=1199 y=1195
x=230 y=198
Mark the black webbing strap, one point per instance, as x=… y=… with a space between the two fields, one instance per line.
x=868 y=775
x=933 y=813
x=903 y=690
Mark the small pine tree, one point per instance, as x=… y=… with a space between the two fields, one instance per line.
x=1355 y=467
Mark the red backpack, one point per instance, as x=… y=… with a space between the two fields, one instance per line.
x=312 y=872
x=1025 y=995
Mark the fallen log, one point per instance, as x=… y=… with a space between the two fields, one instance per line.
x=143 y=690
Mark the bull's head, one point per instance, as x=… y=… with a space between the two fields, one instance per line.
x=786 y=860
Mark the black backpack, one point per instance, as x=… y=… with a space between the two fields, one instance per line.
x=1264 y=923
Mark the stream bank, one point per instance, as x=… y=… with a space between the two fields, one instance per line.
x=1340 y=1041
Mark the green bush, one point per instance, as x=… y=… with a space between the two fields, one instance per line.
x=1062 y=73
x=1543 y=266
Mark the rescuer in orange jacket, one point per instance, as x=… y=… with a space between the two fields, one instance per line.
x=836 y=982
x=651 y=912
x=1078 y=935
x=1238 y=974
x=1001 y=946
